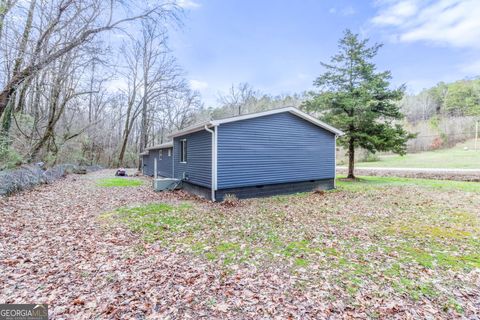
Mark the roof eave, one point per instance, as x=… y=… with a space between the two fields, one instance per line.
x=196 y=128
x=161 y=146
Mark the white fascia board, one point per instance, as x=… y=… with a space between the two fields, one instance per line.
x=191 y=129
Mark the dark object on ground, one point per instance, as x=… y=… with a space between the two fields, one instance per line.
x=121 y=173
x=80 y=170
x=27 y=177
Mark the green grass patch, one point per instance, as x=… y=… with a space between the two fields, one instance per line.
x=154 y=221
x=372 y=182
x=119 y=182
x=454 y=158
x=433 y=258
x=405 y=242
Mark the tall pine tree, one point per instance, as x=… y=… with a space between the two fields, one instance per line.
x=356 y=98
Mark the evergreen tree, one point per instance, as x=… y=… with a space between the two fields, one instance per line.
x=357 y=99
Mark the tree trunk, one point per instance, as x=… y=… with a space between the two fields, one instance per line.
x=124 y=147
x=5 y=97
x=7 y=121
x=39 y=145
x=351 y=159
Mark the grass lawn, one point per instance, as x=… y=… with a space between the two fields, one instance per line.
x=387 y=239
x=369 y=182
x=119 y=182
x=455 y=157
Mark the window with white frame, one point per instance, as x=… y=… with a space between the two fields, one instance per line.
x=169 y=152
x=183 y=150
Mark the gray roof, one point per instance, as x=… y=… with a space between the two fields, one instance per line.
x=161 y=146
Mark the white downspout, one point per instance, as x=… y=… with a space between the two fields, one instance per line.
x=173 y=159
x=335 y=161
x=214 y=160
x=155 y=168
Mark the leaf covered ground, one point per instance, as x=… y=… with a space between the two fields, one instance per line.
x=374 y=248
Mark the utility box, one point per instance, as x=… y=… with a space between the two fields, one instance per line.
x=162 y=184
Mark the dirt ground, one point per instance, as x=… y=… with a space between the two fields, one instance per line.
x=54 y=251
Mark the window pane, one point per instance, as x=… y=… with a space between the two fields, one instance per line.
x=183 y=150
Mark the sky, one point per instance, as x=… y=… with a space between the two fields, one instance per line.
x=277 y=45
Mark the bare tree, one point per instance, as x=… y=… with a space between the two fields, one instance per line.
x=239 y=98
x=131 y=95
x=69 y=25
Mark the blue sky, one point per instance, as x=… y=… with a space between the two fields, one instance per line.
x=277 y=45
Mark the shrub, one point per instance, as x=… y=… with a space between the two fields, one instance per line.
x=230 y=200
x=9 y=157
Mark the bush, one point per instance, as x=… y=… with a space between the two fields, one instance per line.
x=230 y=200
x=9 y=157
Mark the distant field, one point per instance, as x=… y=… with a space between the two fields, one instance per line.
x=456 y=157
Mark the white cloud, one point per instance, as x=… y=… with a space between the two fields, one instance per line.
x=198 y=85
x=188 y=4
x=396 y=14
x=348 y=11
x=446 y=22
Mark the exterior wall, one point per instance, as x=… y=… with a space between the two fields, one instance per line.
x=275 y=149
x=164 y=166
x=198 y=168
x=275 y=189
x=199 y=191
x=147 y=163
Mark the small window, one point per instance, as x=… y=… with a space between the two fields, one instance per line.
x=160 y=154
x=169 y=152
x=183 y=150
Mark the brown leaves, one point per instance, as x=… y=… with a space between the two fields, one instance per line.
x=56 y=249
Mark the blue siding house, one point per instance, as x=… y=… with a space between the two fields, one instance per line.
x=273 y=152
x=163 y=153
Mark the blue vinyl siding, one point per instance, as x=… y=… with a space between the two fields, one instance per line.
x=273 y=149
x=199 y=158
x=147 y=164
x=164 y=165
